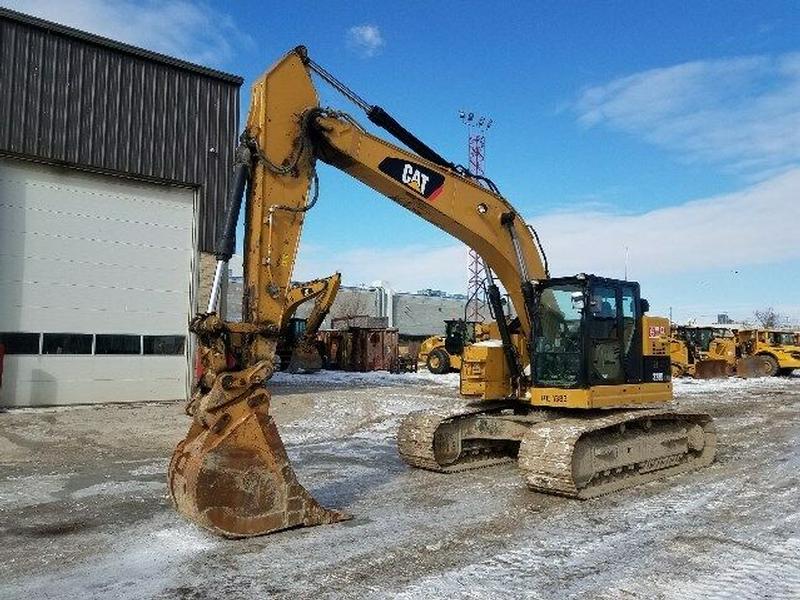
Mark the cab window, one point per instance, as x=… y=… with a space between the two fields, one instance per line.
x=558 y=337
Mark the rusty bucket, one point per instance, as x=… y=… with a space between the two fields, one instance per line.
x=234 y=478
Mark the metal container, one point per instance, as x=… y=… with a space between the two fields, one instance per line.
x=360 y=322
x=373 y=349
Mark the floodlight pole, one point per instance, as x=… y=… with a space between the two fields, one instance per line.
x=477 y=307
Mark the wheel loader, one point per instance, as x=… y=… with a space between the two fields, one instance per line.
x=703 y=352
x=583 y=404
x=442 y=354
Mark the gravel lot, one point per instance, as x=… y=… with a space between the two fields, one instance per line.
x=84 y=511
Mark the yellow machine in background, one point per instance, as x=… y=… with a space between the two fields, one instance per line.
x=297 y=348
x=702 y=352
x=775 y=352
x=584 y=343
x=442 y=354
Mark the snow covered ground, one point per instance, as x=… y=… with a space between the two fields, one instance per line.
x=372 y=378
x=84 y=512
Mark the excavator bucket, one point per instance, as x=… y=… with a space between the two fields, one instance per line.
x=752 y=366
x=235 y=479
x=711 y=369
x=305 y=359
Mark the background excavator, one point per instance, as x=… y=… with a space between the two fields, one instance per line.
x=581 y=400
x=297 y=348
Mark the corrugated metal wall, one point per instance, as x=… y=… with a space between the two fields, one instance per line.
x=67 y=97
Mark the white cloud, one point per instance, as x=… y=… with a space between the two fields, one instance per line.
x=365 y=39
x=187 y=30
x=742 y=113
x=755 y=226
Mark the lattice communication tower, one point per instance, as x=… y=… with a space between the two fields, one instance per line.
x=477 y=307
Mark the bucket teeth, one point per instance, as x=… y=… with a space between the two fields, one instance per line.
x=235 y=478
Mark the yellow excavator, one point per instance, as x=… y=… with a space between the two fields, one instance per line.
x=298 y=349
x=583 y=404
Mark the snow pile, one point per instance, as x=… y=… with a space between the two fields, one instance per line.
x=118 y=488
x=30 y=490
x=156 y=467
x=133 y=568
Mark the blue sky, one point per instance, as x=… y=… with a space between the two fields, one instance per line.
x=672 y=129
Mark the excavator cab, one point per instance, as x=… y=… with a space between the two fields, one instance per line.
x=295 y=329
x=589 y=334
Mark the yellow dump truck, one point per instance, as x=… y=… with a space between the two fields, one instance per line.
x=779 y=351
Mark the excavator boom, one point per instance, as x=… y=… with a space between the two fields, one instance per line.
x=231 y=473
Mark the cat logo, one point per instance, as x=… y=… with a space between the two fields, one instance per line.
x=422 y=180
x=413 y=178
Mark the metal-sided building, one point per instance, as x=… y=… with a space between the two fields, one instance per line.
x=416 y=316
x=114 y=165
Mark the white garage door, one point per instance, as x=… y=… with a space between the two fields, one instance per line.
x=94 y=286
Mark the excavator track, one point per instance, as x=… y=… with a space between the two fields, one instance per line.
x=588 y=457
x=579 y=457
x=425 y=441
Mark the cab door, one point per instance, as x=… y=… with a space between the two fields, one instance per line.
x=605 y=336
x=631 y=317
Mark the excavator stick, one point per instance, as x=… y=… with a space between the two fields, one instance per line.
x=232 y=476
x=711 y=369
x=231 y=473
